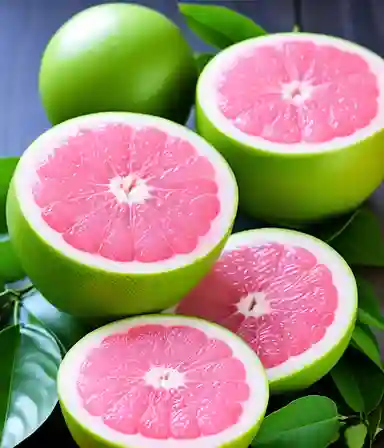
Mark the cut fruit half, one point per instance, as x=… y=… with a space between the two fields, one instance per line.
x=165 y=382
x=117 y=213
x=288 y=294
x=299 y=117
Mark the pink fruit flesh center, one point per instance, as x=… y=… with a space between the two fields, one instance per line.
x=128 y=194
x=279 y=299
x=299 y=92
x=164 y=382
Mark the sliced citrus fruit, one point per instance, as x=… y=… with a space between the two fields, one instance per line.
x=165 y=382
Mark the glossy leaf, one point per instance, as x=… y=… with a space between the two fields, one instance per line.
x=369 y=304
x=366 y=342
x=219 y=26
x=355 y=436
x=28 y=381
x=362 y=242
x=310 y=421
x=374 y=420
x=7 y=167
x=202 y=59
x=332 y=228
x=359 y=382
x=65 y=327
x=10 y=268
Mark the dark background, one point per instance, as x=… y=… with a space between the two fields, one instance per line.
x=27 y=25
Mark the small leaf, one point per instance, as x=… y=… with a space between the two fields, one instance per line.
x=202 y=59
x=7 y=167
x=348 y=385
x=369 y=304
x=355 y=436
x=333 y=227
x=219 y=26
x=65 y=327
x=296 y=28
x=362 y=242
x=10 y=268
x=359 y=381
x=374 y=420
x=30 y=360
x=366 y=342
x=310 y=421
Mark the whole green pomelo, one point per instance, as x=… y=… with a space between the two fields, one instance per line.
x=117 y=57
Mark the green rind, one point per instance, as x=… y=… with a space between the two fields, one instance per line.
x=132 y=59
x=91 y=292
x=87 y=439
x=298 y=188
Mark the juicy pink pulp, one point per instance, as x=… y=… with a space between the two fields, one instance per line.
x=279 y=299
x=128 y=194
x=299 y=92
x=164 y=382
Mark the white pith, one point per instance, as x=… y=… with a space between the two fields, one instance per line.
x=253 y=411
x=254 y=305
x=129 y=189
x=208 y=100
x=343 y=280
x=25 y=176
x=161 y=377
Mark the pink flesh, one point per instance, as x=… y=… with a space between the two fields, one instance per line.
x=113 y=383
x=343 y=93
x=73 y=192
x=291 y=299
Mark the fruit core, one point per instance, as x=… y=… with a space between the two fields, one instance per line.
x=127 y=193
x=298 y=92
x=164 y=382
x=278 y=298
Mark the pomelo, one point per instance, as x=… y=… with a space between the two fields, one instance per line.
x=116 y=213
x=117 y=57
x=165 y=382
x=288 y=294
x=300 y=119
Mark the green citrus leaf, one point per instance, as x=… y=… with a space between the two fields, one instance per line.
x=333 y=227
x=66 y=328
x=359 y=382
x=219 y=26
x=7 y=167
x=30 y=359
x=355 y=436
x=202 y=60
x=310 y=421
x=10 y=268
x=361 y=242
x=365 y=341
x=374 y=420
x=369 y=304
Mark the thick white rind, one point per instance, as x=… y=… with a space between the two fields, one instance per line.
x=254 y=408
x=208 y=97
x=343 y=280
x=25 y=176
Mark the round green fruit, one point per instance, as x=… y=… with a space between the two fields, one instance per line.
x=299 y=117
x=117 y=57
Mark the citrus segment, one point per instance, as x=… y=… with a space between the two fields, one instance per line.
x=287 y=295
x=165 y=381
x=104 y=189
x=299 y=92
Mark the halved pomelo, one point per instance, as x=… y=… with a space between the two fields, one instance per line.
x=300 y=119
x=288 y=294
x=165 y=382
x=117 y=213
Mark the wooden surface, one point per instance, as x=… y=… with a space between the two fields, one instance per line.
x=26 y=26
